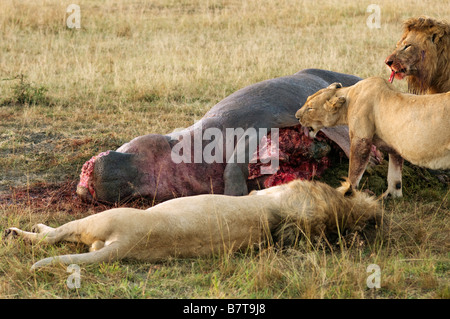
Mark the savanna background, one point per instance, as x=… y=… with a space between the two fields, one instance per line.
x=138 y=67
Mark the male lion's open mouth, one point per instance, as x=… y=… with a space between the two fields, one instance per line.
x=398 y=71
x=399 y=75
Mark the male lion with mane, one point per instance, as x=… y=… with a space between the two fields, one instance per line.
x=409 y=126
x=209 y=224
x=423 y=56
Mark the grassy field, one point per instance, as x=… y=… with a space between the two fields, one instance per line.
x=139 y=67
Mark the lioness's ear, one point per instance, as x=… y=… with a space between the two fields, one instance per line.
x=334 y=103
x=335 y=85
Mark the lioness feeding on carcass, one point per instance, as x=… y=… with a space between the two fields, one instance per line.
x=145 y=166
x=413 y=127
x=208 y=224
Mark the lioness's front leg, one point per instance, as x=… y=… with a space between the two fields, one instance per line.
x=32 y=237
x=394 y=176
x=41 y=228
x=359 y=158
x=40 y=233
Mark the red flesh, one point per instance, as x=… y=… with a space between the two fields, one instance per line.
x=391 y=78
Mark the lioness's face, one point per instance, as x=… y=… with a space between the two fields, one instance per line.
x=406 y=58
x=321 y=109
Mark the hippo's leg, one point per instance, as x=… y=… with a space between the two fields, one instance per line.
x=236 y=171
x=235 y=179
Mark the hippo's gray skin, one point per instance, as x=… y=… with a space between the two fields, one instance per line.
x=144 y=167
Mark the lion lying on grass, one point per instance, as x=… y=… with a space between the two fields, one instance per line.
x=413 y=127
x=210 y=224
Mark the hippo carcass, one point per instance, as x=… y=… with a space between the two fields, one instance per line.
x=213 y=155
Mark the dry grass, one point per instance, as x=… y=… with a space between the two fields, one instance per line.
x=138 y=67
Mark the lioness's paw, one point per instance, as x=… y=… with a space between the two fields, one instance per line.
x=391 y=194
x=10 y=233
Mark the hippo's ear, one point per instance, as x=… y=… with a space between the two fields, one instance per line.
x=172 y=142
x=335 y=85
x=334 y=104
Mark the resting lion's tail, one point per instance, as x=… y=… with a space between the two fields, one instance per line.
x=107 y=253
x=346 y=187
